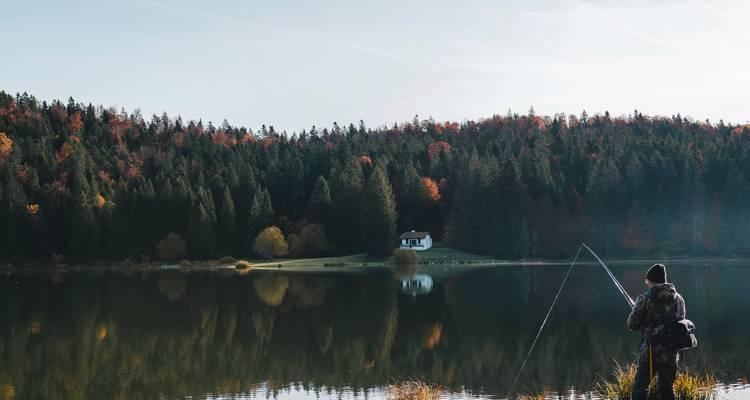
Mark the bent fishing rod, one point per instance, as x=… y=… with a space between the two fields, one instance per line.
x=617 y=283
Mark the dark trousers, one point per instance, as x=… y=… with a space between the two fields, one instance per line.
x=664 y=368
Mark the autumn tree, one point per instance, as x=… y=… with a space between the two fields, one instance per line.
x=311 y=241
x=271 y=243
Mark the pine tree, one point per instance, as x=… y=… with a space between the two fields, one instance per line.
x=227 y=232
x=379 y=215
x=319 y=206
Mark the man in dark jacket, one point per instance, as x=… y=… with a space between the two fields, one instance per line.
x=661 y=303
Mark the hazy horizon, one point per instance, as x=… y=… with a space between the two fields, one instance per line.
x=295 y=65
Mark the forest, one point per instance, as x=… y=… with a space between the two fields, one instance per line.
x=84 y=183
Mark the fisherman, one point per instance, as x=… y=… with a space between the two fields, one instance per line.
x=660 y=304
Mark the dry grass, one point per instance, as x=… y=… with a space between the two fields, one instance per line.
x=413 y=390
x=242 y=265
x=687 y=386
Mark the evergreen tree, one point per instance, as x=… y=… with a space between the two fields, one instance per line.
x=319 y=206
x=379 y=215
x=227 y=231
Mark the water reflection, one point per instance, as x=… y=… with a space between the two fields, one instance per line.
x=417 y=284
x=170 y=334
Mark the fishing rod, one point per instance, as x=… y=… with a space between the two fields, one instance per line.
x=622 y=290
x=617 y=283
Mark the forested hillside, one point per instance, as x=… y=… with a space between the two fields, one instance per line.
x=90 y=183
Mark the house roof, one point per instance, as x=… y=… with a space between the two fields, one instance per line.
x=414 y=235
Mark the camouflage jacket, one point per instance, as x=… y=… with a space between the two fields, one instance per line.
x=660 y=304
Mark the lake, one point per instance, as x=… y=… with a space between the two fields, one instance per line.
x=172 y=334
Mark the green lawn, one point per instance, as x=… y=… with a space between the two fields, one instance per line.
x=435 y=254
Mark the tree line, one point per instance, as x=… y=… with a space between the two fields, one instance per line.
x=91 y=183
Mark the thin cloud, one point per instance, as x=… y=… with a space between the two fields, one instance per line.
x=578 y=5
x=265 y=27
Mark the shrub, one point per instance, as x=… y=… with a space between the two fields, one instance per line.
x=227 y=260
x=185 y=263
x=56 y=259
x=311 y=241
x=242 y=265
x=413 y=390
x=405 y=257
x=270 y=242
x=172 y=247
x=687 y=386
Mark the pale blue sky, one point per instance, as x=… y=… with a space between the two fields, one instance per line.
x=293 y=64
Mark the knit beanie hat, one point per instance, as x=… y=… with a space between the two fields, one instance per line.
x=657 y=273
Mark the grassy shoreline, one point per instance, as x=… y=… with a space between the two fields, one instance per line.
x=437 y=256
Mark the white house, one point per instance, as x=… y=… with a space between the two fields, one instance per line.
x=416 y=240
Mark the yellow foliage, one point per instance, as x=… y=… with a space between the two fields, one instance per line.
x=32 y=209
x=99 y=201
x=6 y=146
x=271 y=289
x=7 y=392
x=102 y=332
x=271 y=242
x=35 y=327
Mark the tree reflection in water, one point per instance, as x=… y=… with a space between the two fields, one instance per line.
x=110 y=335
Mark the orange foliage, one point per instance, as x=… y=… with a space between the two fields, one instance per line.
x=364 y=159
x=99 y=201
x=75 y=139
x=268 y=142
x=35 y=327
x=102 y=332
x=119 y=126
x=63 y=154
x=433 y=338
x=75 y=121
x=430 y=188
x=32 y=209
x=223 y=138
x=740 y=129
x=6 y=146
x=434 y=149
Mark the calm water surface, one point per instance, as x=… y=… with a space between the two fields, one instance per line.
x=345 y=335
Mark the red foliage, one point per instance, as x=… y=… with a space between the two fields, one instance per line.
x=130 y=168
x=365 y=160
x=430 y=188
x=63 y=154
x=119 y=127
x=434 y=149
x=75 y=121
x=23 y=174
x=268 y=142
x=60 y=183
x=223 y=138
x=179 y=139
x=106 y=178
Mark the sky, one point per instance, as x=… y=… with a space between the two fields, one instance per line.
x=293 y=64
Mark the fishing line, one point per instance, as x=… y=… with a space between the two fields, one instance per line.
x=617 y=283
x=545 y=319
x=622 y=290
